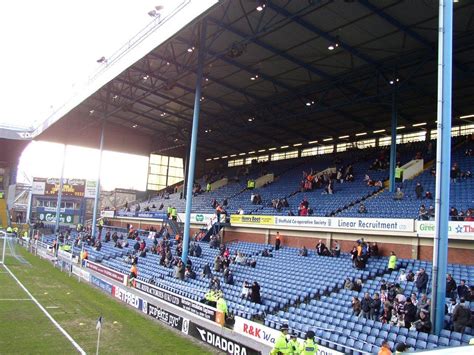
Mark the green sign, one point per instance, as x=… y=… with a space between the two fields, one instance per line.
x=199 y=218
x=51 y=217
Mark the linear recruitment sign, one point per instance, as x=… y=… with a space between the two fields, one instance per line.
x=297 y=222
x=197 y=308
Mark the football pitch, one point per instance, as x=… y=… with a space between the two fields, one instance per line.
x=75 y=306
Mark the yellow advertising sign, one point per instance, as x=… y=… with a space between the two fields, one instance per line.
x=251 y=219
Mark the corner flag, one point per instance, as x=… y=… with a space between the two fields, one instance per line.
x=99 y=323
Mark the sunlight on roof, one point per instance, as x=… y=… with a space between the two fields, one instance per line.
x=119 y=170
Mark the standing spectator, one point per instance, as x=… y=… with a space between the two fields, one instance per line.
x=375 y=307
x=320 y=247
x=423 y=304
x=454 y=173
x=374 y=250
x=179 y=271
x=410 y=313
x=419 y=191
x=392 y=261
x=421 y=281
x=461 y=316
x=337 y=249
x=277 y=241
x=451 y=286
x=356 y=306
x=462 y=289
x=365 y=305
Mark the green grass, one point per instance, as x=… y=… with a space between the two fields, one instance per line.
x=24 y=329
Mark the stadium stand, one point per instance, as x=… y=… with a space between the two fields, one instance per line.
x=307 y=293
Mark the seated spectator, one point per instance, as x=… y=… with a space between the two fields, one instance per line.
x=303 y=251
x=398 y=194
x=431 y=213
x=215 y=283
x=206 y=271
x=229 y=278
x=255 y=292
x=428 y=195
x=403 y=276
x=410 y=276
x=266 y=253
x=357 y=286
x=240 y=211
x=423 y=324
x=179 y=270
x=362 y=208
x=462 y=289
x=423 y=213
x=348 y=285
x=240 y=259
x=453 y=214
x=245 y=294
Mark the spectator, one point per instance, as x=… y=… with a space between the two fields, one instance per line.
x=320 y=247
x=410 y=276
x=423 y=304
x=348 y=284
x=365 y=305
x=451 y=286
x=423 y=324
x=419 y=191
x=240 y=211
x=410 y=312
x=403 y=276
x=215 y=283
x=451 y=306
x=461 y=316
x=362 y=208
x=385 y=349
x=303 y=251
x=255 y=292
x=229 y=278
x=245 y=293
x=392 y=261
x=189 y=273
x=398 y=194
x=277 y=241
x=206 y=271
x=337 y=249
x=454 y=173
x=357 y=286
x=470 y=296
x=179 y=270
x=374 y=250
x=375 y=305
x=462 y=289
x=453 y=214
x=428 y=195
x=423 y=213
x=356 y=306
x=421 y=281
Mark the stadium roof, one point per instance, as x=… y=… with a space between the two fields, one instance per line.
x=271 y=78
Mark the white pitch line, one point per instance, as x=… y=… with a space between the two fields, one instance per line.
x=15 y=299
x=56 y=324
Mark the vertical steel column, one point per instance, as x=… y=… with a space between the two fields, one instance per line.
x=97 y=186
x=443 y=164
x=393 y=145
x=60 y=192
x=194 y=134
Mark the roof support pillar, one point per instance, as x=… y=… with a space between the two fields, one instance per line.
x=443 y=163
x=194 y=137
x=393 y=145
